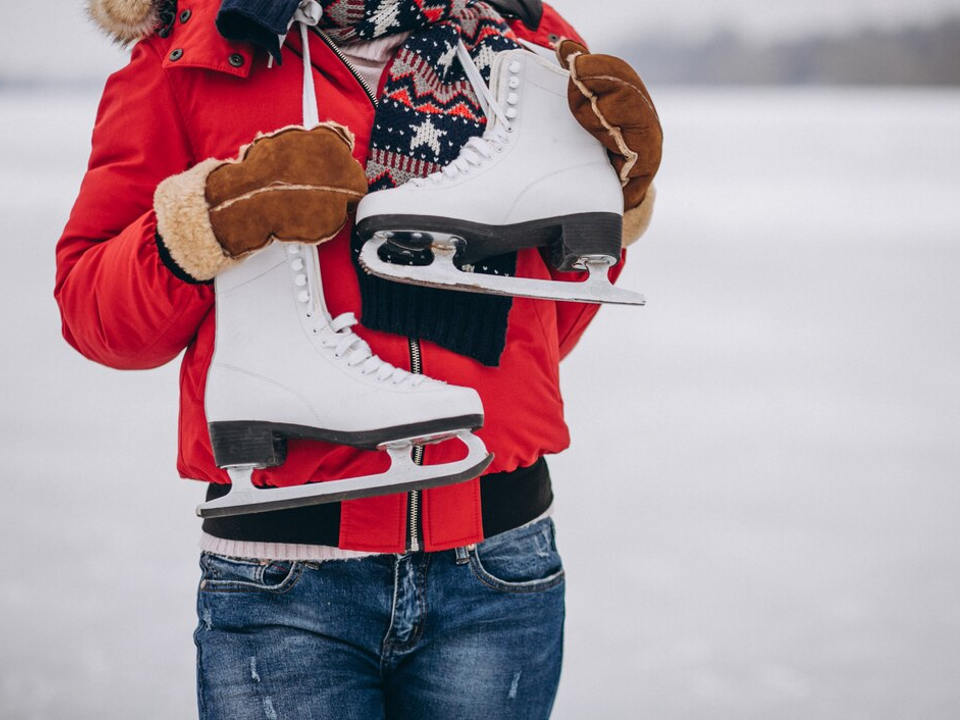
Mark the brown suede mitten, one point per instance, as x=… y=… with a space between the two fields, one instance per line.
x=294 y=185
x=609 y=99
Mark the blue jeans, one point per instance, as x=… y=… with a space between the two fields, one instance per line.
x=475 y=632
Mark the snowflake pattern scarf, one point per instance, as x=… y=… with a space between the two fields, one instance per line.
x=426 y=112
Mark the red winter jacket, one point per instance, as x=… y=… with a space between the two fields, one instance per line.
x=194 y=95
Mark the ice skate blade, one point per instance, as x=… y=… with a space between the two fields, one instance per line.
x=442 y=273
x=403 y=476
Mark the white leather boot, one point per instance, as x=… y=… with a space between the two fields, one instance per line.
x=283 y=368
x=535 y=178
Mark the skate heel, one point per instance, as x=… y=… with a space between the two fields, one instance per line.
x=587 y=234
x=245 y=443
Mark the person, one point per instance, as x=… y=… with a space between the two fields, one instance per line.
x=444 y=603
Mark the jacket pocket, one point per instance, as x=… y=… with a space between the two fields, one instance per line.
x=227 y=574
x=521 y=560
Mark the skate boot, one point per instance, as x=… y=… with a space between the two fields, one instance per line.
x=535 y=178
x=283 y=368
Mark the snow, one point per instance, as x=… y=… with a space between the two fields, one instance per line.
x=759 y=513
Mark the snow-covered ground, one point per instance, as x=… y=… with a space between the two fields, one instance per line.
x=760 y=513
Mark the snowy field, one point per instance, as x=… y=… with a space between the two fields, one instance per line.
x=760 y=514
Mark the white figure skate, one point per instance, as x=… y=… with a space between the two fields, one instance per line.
x=535 y=178
x=283 y=368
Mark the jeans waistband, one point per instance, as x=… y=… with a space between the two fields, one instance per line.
x=507 y=501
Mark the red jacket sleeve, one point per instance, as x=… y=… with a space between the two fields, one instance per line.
x=120 y=305
x=573 y=318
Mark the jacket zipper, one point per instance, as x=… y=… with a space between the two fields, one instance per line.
x=343 y=58
x=413 y=498
x=416 y=355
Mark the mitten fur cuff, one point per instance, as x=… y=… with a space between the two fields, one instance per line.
x=637 y=220
x=183 y=221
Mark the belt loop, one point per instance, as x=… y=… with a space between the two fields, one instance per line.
x=463 y=555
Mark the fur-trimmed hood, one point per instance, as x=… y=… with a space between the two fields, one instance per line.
x=125 y=20
x=129 y=20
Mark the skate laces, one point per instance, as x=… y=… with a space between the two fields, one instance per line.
x=335 y=332
x=354 y=350
x=477 y=149
x=474 y=153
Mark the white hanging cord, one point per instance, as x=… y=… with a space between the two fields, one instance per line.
x=311 y=112
x=308 y=14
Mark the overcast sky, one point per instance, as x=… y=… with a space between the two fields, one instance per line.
x=54 y=38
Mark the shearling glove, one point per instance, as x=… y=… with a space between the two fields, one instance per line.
x=293 y=185
x=609 y=99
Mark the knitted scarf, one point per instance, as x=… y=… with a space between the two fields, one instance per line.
x=426 y=111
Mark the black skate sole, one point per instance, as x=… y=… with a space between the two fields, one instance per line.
x=264 y=444
x=568 y=237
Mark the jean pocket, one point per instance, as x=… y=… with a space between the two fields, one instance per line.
x=227 y=574
x=521 y=560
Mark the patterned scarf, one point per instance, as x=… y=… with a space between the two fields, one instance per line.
x=426 y=112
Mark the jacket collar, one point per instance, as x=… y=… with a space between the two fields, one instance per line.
x=186 y=29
